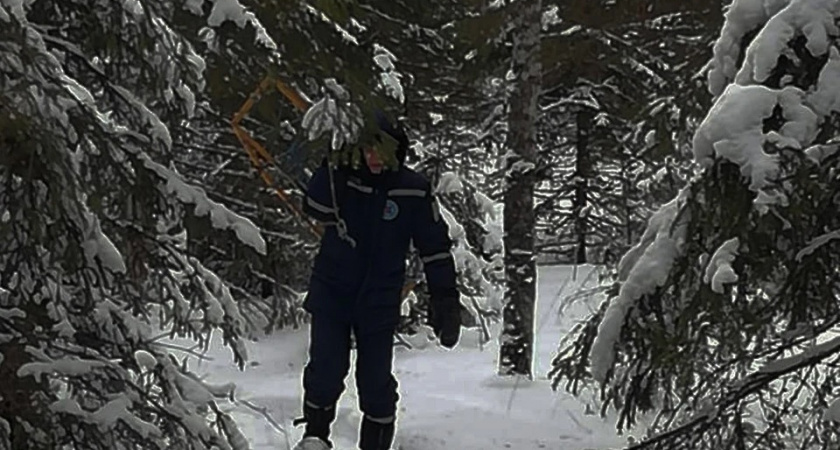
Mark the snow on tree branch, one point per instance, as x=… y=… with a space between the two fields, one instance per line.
x=645 y=267
x=733 y=129
x=233 y=11
x=742 y=17
x=220 y=215
x=719 y=270
x=812 y=19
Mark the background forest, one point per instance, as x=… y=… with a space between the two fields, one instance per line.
x=153 y=153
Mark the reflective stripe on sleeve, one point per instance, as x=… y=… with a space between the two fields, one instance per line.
x=319 y=207
x=407 y=193
x=436 y=257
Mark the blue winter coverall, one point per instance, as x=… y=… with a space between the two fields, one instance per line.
x=356 y=287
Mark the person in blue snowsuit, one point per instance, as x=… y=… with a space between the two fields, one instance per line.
x=356 y=285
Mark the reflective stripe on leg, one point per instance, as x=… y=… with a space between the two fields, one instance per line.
x=382 y=420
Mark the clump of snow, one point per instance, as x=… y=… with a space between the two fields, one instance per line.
x=16 y=7
x=98 y=245
x=812 y=18
x=826 y=98
x=643 y=268
x=133 y=7
x=118 y=410
x=389 y=78
x=194 y=6
x=650 y=138
x=816 y=243
x=145 y=360
x=222 y=302
x=449 y=183
x=12 y=313
x=832 y=413
x=231 y=10
x=107 y=416
x=188 y=96
x=68 y=366
x=818 y=153
x=157 y=129
x=224 y=10
x=334 y=114
x=127 y=327
x=220 y=216
x=742 y=17
x=733 y=129
x=720 y=271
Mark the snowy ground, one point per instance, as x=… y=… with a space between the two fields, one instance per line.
x=450 y=399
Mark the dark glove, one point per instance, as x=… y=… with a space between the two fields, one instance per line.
x=445 y=318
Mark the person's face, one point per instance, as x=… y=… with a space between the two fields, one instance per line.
x=373 y=161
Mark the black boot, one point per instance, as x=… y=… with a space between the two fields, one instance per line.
x=376 y=434
x=318 y=420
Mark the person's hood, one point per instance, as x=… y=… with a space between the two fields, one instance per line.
x=396 y=132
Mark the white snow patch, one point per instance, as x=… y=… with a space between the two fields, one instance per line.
x=188 y=97
x=826 y=98
x=818 y=153
x=733 y=129
x=812 y=18
x=133 y=7
x=232 y=10
x=145 y=360
x=650 y=138
x=642 y=269
x=224 y=10
x=333 y=114
x=720 y=271
x=157 y=129
x=117 y=410
x=98 y=245
x=194 y=6
x=449 y=183
x=832 y=413
x=742 y=17
x=11 y=313
x=389 y=78
x=450 y=399
x=69 y=366
x=17 y=8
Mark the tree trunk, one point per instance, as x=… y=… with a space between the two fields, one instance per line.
x=583 y=172
x=517 y=341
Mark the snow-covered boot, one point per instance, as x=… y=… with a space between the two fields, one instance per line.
x=376 y=434
x=318 y=420
x=312 y=443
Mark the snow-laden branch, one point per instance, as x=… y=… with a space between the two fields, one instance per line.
x=645 y=267
x=752 y=384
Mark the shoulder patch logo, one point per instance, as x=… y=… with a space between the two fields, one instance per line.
x=391 y=210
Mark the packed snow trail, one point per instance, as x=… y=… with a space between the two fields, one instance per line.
x=449 y=399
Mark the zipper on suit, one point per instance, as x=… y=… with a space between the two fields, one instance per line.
x=369 y=248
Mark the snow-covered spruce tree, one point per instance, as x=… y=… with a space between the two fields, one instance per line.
x=93 y=259
x=618 y=127
x=718 y=328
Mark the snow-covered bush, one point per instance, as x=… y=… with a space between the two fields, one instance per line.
x=719 y=322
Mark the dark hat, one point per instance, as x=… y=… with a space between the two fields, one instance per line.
x=396 y=131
